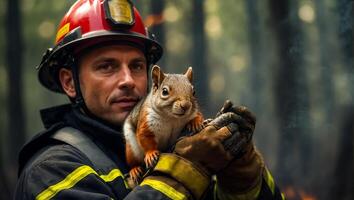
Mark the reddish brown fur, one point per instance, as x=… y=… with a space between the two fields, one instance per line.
x=131 y=159
x=145 y=137
x=196 y=123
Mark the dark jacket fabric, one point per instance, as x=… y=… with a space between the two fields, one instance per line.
x=50 y=169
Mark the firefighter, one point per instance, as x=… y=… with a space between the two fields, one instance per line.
x=100 y=60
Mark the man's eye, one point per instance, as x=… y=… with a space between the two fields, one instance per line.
x=137 y=67
x=105 y=67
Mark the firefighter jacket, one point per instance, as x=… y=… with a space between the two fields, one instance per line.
x=53 y=169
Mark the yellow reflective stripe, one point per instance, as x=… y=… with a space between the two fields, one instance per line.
x=164 y=188
x=67 y=183
x=269 y=180
x=185 y=172
x=62 y=31
x=115 y=173
x=73 y=178
x=250 y=195
x=282 y=196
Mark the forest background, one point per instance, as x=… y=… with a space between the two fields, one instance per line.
x=290 y=62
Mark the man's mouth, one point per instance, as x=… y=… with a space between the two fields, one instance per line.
x=126 y=103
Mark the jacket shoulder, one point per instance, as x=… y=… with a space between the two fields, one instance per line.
x=45 y=165
x=55 y=166
x=56 y=152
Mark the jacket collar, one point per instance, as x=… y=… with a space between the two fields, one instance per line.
x=72 y=116
x=108 y=138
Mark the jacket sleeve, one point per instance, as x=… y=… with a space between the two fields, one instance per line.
x=266 y=189
x=173 y=177
x=269 y=189
x=62 y=172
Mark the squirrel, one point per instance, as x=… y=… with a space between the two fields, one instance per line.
x=156 y=121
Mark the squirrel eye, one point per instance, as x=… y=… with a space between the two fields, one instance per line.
x=165 y=91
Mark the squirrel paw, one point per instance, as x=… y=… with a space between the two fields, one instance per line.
x=151 y=158
x=136 y=174
x=196 y=124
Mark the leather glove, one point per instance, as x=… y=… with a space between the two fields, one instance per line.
x=244 y=172
x=242 y=132
x=205 y=149
x=196 y=157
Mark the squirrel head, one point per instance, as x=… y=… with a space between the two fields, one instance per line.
x=173 y=93
x=158 y=76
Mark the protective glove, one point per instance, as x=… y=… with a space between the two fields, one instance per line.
x=244 y=172
x=205 y=149
x=195 y=158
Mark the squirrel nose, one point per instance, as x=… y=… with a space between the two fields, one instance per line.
x=185 y=105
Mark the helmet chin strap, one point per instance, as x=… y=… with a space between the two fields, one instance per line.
x=79 y=102
x=79 y=99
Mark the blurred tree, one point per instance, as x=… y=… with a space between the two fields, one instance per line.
x=326 y=79
x=199 y=49
x=255 y=54
x=4 y=189
x=345 y=10
x=14 y=49
x=342 y=183
x=291 y=93
x=156 y=21
x=40 y=20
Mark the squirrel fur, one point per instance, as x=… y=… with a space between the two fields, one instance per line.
x=156 y=121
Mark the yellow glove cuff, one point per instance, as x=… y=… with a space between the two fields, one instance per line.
x=193 y=178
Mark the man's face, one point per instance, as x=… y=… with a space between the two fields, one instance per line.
x=112 y=80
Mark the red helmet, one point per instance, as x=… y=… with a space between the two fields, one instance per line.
x=94 y=22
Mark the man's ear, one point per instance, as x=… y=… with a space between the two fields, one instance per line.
x=157 y=76
x=189 y=74
x=67 y=82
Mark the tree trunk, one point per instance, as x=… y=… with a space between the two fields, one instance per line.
x=200 y=68
x=255 y=54
x=5 y=192
x=14 y=49
x=291 y=95
x=343 y=179
x=326 y=81
x=345 y=10
x=342 y=183
x=158 y=28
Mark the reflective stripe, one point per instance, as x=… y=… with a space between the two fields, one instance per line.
x=73 y=178
x=164 y=188
x=182 y=170
x=62 y=31
x=282 y=196
x=269 y=180
x=115 y=173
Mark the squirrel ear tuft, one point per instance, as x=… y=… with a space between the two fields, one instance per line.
x=189 y=74
x=157 y=76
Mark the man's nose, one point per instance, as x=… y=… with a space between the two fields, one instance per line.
x=126 y=79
